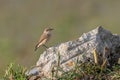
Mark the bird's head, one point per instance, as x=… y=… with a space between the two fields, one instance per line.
x=48 y=29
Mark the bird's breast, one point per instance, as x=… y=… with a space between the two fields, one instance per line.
x=49 y=34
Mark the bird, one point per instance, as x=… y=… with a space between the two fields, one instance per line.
x=44 y=38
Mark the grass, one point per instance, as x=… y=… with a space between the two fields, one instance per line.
x=89 y=71
x=14 y=72
x=83 y=71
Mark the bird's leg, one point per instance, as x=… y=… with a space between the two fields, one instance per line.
x=45 y=46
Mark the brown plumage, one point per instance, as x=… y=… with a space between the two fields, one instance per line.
x=44 y=38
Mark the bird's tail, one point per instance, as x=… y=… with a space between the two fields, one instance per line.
x=36 y=47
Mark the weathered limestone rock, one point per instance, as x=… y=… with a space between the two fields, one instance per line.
x=79 y=50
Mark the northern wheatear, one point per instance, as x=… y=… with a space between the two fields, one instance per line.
x=44 y=38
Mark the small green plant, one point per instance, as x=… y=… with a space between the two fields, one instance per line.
x=14 y=72
x=115 y=73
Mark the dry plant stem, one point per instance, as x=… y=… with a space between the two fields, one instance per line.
x=95 y=56
x=104 y=64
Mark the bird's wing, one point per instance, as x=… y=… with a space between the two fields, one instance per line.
x=43 y=36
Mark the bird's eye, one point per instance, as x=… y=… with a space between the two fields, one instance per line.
x=47 y=30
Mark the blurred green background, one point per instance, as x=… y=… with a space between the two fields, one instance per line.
x=22 y=22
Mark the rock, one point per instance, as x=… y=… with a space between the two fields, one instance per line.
x=80 y=50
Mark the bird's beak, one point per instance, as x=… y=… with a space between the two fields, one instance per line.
x=51 y=29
